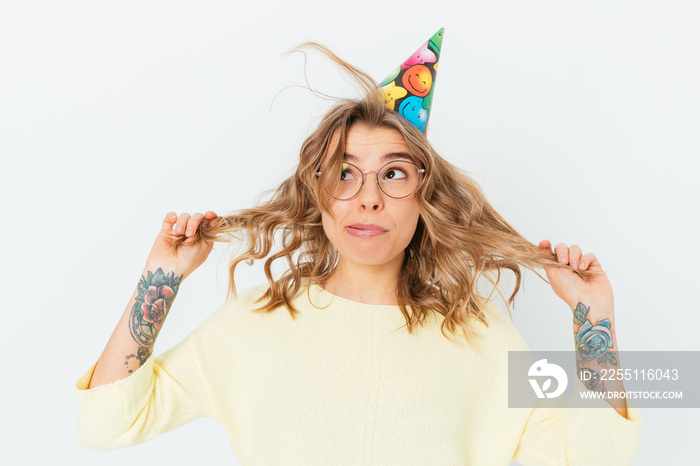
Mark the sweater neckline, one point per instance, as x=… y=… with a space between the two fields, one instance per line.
x=323 y=292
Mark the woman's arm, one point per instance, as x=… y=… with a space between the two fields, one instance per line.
x=594 y=317
x=131 y=343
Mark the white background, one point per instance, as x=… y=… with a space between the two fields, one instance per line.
x=580 y=121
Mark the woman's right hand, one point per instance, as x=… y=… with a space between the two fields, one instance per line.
x=191 y=253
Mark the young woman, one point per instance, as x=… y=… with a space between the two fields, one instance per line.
x=375 y=346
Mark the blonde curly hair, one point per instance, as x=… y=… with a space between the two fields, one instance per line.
x=459 y=240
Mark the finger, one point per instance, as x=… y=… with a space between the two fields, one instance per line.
x=193 y=223
x=545 y=244
x=546 y=247
x=181 y=223
x=574 y=255
x=562 y=252
x=168 y=221
x=212 y=218
x=589 y=261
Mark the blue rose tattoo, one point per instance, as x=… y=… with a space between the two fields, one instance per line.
x=593 y=340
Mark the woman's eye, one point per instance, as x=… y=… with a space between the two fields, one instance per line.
x=346 y=176
x=394 y=174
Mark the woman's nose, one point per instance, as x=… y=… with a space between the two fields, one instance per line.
x=370 y=194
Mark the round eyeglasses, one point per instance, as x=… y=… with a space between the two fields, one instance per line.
x=397 y=179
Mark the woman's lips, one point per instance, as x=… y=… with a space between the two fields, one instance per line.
x=365 y=231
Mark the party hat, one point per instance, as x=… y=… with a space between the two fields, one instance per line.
x=409 y=89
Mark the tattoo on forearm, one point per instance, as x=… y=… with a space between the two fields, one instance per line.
x=594 y=344
x=156 y=293
x=591 y=379
x=141 y=356
x=593 y=341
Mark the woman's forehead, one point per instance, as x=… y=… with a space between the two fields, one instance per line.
x=364 y=144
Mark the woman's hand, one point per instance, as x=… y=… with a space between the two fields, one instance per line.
x=595 y=292
x=191 y=253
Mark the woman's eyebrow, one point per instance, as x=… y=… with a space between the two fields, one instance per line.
x=385 y=157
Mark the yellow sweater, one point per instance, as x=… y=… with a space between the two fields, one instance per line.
x=344 y=384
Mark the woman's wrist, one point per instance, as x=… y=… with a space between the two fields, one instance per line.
x=166 y=268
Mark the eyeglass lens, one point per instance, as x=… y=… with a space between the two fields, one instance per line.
x=397 y=179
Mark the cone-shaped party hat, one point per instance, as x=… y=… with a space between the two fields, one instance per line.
x=409 y=89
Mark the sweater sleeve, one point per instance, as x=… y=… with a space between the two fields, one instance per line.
x=166 y=392
x=577 y=431
x=575 y=434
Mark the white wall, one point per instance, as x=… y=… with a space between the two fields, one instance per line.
x=580 y=120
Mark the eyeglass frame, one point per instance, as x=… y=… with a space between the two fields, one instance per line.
x=420 y=171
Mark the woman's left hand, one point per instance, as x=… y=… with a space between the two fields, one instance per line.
x=595 y=292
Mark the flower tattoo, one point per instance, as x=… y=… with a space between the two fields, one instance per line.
x=154 y=304
x=593 y=341
x=156 y=293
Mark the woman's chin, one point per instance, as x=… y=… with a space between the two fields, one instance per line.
x=371 y=257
